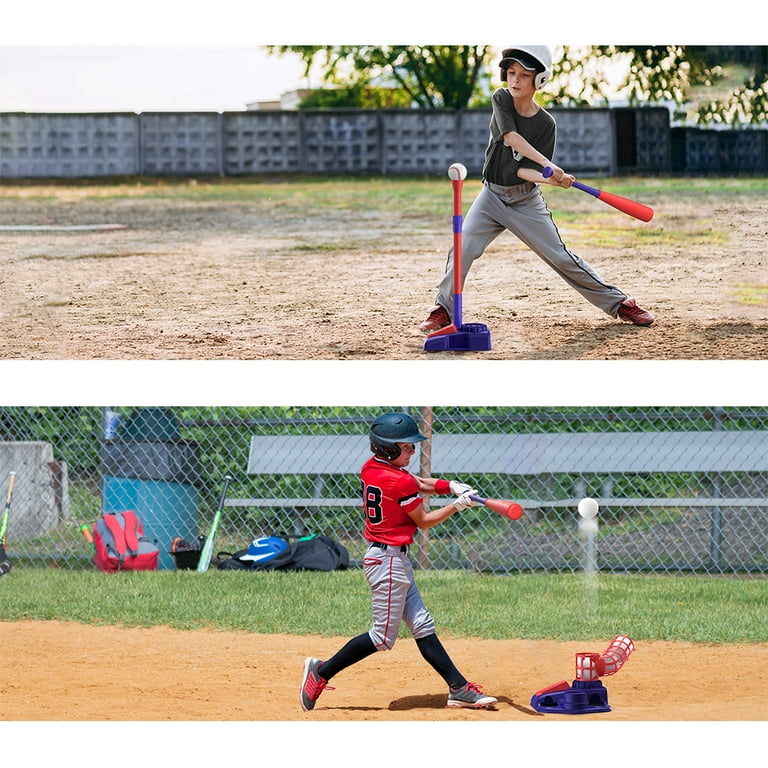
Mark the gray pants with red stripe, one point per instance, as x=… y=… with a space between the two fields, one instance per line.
x=395 y=597
x=523 y=211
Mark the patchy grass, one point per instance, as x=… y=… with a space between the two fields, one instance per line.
x=333 y=191
x=753 y=294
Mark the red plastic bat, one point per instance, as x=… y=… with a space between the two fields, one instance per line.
x=623 y=204
x=510 y=509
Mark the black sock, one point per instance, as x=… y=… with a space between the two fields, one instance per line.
x=357 y=649
x=432 y=650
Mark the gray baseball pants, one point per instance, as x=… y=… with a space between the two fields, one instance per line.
x=523 y=211
x=395 y=597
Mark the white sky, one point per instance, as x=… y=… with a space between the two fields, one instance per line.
x=142 y=78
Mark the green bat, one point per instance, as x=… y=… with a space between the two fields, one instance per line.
x=8 y=497
x=207 y=552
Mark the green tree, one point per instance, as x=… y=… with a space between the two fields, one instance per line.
x=707 y=84
x=430 y=76
x=714 y=84
x=356 y=95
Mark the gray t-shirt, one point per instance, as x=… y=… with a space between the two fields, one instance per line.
x=540 y=131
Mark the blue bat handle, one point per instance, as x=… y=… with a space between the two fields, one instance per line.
x=585 y=188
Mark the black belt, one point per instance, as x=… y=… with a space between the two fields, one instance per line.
x=382 y=545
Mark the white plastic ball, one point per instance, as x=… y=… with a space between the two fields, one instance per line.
x=588 y=508
x=457 y=172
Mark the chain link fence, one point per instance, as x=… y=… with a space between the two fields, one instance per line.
x=680 y=489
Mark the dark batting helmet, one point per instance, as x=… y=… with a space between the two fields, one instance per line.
x=390 y=429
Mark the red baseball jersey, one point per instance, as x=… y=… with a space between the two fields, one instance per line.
x=389 y=493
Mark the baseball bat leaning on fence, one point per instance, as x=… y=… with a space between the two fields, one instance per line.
x=623 y=204
x=510 y=509
x=5 y=564
x=207 y=551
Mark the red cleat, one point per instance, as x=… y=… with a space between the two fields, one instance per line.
x=438 y=318
x=629 y=311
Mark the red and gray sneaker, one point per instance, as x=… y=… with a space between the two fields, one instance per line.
x=312 y=685
x=438 y=318
x=629 y=311
x=472 y=696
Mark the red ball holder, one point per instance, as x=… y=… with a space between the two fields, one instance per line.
x=586 y=695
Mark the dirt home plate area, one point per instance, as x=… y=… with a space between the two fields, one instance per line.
x=67 y=671
x=208 y=280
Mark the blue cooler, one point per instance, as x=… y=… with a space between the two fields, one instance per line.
x=156 y=478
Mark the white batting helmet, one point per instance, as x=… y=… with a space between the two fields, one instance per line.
x=535 y=58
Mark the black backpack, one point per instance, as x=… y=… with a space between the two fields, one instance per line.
x=311 y=553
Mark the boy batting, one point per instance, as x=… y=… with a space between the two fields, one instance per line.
x=394 y=510
x=521 y=146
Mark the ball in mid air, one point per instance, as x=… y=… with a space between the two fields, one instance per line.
x=457 y=172
x=587 y=508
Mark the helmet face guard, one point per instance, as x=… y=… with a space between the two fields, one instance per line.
x=390 y=429
x=534 y=58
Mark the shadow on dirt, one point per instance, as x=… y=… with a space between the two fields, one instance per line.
x=665 y=340
x=437 y=701
x=580 y=346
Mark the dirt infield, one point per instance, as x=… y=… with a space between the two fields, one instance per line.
x=210 y=280
x=67 y=671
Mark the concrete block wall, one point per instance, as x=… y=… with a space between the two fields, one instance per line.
x=416 y=142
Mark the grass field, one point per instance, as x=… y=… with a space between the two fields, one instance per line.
x=339 y=191
x=697 y=609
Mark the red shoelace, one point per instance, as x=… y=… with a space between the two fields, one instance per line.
x=315 y=685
